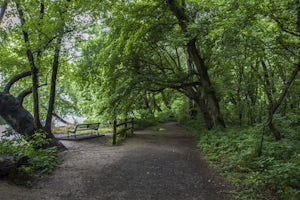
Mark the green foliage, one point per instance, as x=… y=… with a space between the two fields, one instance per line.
x=119 y=139
x=232 y=152
x=165 y=116
x=41 y=161
x=133 y=64
x=141 y=123
x=179 y=108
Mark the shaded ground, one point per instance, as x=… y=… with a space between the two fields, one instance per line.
x=152 y=164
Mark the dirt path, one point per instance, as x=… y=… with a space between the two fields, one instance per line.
x=158 y=165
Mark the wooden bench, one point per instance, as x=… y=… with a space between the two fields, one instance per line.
x=85 y=127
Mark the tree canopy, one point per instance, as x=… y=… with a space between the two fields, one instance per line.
x=228 y=59
x=221 y=63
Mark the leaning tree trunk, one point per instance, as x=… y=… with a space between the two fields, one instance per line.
x=194 y=94
x=21 y=120
x=205 y=113
x=193 y=53
x=16 y=115
x=209 y=93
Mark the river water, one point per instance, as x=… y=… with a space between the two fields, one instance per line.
x=2 y=128
x=71 y=119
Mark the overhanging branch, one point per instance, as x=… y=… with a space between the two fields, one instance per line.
x=15 y=79
x=25 y=93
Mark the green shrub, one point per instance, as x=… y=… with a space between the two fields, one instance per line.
x=180 y=109
x=144 y=123
x=274 y=175
x=41 y=161
x=164 y=116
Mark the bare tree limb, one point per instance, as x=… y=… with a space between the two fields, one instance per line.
x=61 y=119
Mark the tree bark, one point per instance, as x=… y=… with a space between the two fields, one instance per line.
x=191 y=108
x=9 y=164
x=15 y=115
x=209 y=93
x=268 y=90
x=15 y=79
x=55 y=66
x=274 y=105
x=205 y=113
x=34 y=71
x=194 y=94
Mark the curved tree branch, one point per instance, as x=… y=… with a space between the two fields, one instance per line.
x=15 y=79
x=286 y=87
x=25 y=93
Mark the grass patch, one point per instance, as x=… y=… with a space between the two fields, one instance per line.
x=159 y=129
x=64 y=130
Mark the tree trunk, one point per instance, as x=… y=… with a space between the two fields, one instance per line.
x=15 y=115
x=193 y=54
x=191 y=107
x=273 y=104
x=268 y=89
x=205 y=114
x=209 y=93
x=194 y=94
x=34 y=73
x=48 y=124
x=273 y=129
x=10 y=164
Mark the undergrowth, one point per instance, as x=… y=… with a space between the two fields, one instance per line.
x=232 y=151
x=41 y=161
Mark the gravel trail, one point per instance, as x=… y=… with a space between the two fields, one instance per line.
x=159 y=163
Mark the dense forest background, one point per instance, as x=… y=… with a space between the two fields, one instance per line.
x=230 y=67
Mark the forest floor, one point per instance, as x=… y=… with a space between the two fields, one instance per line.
x=159 y=163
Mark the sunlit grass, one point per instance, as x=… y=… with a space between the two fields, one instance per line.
x=64 y=130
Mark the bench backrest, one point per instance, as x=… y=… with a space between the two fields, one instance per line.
x=81 y=127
